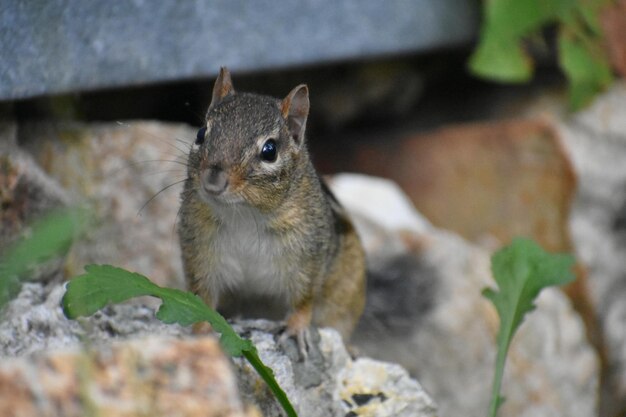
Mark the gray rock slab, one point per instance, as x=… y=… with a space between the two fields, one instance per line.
x=71 y=45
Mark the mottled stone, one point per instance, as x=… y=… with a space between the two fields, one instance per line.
x=152 y=376
x=375 y=388
x=126 y=349
x=425 y=311
x=34 y=322
x=493 y=180
x=26 y=192
x=129 y=175
x=330 y=382
x=26 y=195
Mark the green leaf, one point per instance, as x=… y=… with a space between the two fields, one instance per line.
x=582 y=58
x=501 y=59
x=514 y=18
x=500 y=54
x=102 y=285
x=49 y=237
x=521 y=271
x=508 y=24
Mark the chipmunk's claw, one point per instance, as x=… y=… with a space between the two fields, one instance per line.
x=302 y=338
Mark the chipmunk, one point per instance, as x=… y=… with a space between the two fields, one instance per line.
x=259 y=230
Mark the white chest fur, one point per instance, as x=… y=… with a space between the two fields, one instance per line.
x=246 y=256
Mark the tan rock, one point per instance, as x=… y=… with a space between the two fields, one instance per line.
x=125 y=174
x=150 y=377
x=491 y=180
x=26 y=193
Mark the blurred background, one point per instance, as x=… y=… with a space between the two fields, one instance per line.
x=496 y=119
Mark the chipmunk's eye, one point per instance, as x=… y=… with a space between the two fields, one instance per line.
x=268 y=153
x=201 y=136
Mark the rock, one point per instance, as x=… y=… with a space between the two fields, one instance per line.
x=131 y=357
x=428 y=315
x=34 y=322
x=26 y=192
x=330 y=383
x=596 y=140
x=613 y=21
x=152 y=376
x=129 y=176
x=484 y=181
x=26 y=195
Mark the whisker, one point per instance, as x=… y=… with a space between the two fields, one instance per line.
x=173 y=161
x=154 y=196
x=160 y=139
x=186 y=143
x=165 y=171
x=132 y=169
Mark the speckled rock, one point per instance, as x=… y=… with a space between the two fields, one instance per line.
x=152 y=376
x=127 y=349
x=26 y=194
x=425 y=311
x=127 y=175
x=330 y=382
x=34 y=322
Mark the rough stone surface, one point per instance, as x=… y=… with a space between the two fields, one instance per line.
x=34 y=322
x=596 y=141
x=26 y=192
x=128 y=175
x=34 y=333
x=65 y=45
x=429 y=316
x=330 y=383
x=152 y=376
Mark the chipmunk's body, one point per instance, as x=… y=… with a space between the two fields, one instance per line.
x=260 y=233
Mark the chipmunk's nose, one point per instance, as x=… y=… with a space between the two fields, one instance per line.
x=214 y=180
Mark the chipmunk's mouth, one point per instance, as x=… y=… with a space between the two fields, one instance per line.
x=223 y=197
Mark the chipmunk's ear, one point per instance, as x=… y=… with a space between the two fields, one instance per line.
x=223 y=87
x=295 y=109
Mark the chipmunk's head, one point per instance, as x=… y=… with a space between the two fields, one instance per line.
x=250 y=147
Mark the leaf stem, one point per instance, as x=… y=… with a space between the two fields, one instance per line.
x=267 y=375
x=496 y=399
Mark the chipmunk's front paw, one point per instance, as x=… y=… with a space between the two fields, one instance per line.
x=298 y=324
x=302 y=338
